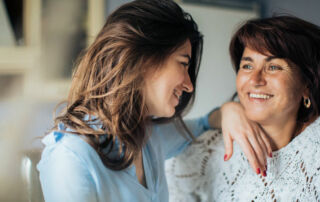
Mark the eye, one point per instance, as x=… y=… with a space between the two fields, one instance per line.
x=246 y=66
x=184 y=64
x=274 y=67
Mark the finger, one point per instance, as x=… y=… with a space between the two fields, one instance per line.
x=264 y=171
x=250 y=154
x=228 y=146
x=264 y=148
x=266 y=141
x=260 y=154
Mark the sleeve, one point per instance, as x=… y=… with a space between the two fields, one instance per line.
x=170 y=137
x=64 y=177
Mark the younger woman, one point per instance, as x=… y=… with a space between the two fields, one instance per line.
x=108 y=144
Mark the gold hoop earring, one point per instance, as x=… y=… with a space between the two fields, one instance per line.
x=307 y=102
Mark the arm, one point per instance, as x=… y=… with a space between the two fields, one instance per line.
x=172 y=137
x=249 y=135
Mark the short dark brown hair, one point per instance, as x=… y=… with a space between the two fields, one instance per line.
x=290 y=38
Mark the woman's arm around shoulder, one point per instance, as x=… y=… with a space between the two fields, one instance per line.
x=248 y=134
x=172 y=136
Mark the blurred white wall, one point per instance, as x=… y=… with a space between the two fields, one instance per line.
x=307 y=9
x=216 y=80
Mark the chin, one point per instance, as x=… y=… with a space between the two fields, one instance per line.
x=164 y=114
x=169 y=113
x=257 y=117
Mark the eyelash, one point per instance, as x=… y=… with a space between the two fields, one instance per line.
x=185 y=64
x=270 y=67
x=275 y=67
x=246 y=66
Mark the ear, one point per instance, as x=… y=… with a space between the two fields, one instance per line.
x=305 y=92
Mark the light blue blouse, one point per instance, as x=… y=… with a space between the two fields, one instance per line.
x=71 y=170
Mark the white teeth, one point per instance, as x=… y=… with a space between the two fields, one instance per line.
x=261 y=96
x=176 y=94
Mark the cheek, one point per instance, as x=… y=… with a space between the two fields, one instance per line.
x=176 y=77
x=152 y=91
x=240 y=83
x=287 y=84
x=161 y=90
x=289 y=88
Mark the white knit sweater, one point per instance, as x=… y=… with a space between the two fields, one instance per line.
x=200 y=174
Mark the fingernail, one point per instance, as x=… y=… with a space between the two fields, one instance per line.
x=270 y=155
x=264 y=174
x=258 y=170
x=225 y=157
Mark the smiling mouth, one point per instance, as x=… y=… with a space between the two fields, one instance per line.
x=260 y=96
x=177 y=94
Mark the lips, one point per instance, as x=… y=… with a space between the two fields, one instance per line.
x=263 y=96
x=177 y=93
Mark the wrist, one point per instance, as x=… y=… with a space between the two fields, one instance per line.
x=214 y=118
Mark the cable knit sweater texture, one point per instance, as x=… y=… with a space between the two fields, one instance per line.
x=200 y=174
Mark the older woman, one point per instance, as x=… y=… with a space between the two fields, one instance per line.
x=277 y=61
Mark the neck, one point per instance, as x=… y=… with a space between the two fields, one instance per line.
x=281 y=132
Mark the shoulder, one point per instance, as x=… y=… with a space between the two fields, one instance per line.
x=67 y=165
x=311 y=137
x=306 y=154
x=313 y=131
x=308 y=142
x=189 y=172
x=65 y=149
x=209 y=144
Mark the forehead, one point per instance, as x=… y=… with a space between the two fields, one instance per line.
x=252 y=55
x=250 y=52
x=185 y=48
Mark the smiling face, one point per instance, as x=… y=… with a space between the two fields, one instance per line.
x=268 y=88
x=163 y=87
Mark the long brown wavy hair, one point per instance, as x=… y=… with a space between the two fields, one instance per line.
x=105 y=103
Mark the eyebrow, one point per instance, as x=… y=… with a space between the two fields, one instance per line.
x=187 y=56
x=247 y=59
x=268 y=59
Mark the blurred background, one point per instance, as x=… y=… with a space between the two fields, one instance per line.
x=39 y=44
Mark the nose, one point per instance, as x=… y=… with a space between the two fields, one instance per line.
x=187 y=84
x=258 y=78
